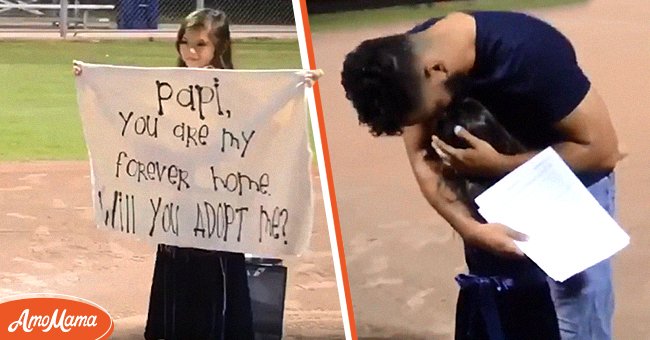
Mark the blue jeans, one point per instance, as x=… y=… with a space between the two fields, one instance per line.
x=585 y=302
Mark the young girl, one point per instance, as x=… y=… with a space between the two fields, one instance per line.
x=195 y=293
x=200 y=294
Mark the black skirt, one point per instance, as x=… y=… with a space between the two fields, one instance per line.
x=504 y=299
x=199 y=294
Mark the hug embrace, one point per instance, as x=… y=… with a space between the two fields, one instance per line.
x=474 y=95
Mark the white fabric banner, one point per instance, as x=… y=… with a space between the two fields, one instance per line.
x=213 y=159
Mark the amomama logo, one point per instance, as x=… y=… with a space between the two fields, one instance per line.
x=50 y=316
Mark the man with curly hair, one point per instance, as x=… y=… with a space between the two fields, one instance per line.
x=526 y=73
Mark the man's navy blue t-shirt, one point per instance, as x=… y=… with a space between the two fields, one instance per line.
x=525 y=73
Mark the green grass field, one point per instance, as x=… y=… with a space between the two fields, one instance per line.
x=39 y=119
x=375 y=17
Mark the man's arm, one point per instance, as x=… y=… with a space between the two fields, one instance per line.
x=590 y=145
x=428 y=173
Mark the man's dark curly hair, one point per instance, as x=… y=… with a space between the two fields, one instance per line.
x=380 y=79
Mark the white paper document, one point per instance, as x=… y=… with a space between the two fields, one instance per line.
x=568 y=230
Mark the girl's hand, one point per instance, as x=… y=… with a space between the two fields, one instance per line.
x=76 y=69
x=311 y=76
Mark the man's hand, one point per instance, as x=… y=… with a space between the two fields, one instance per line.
x=481 y=159
x=496 y=238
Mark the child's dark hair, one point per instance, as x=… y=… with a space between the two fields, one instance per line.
x=479 y=121
x=380 y=79
x=475 y=118
x=217 y=23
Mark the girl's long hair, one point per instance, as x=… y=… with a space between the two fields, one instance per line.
x=219 y=31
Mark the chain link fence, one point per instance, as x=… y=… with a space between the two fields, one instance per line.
x=135 y=14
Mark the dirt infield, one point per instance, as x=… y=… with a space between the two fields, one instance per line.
x=49 y=244
x=402 y=257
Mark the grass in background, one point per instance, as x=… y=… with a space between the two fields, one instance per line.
x=375 y=17
x=39 y=119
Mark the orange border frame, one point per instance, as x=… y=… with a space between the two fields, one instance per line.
x=328 y=167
